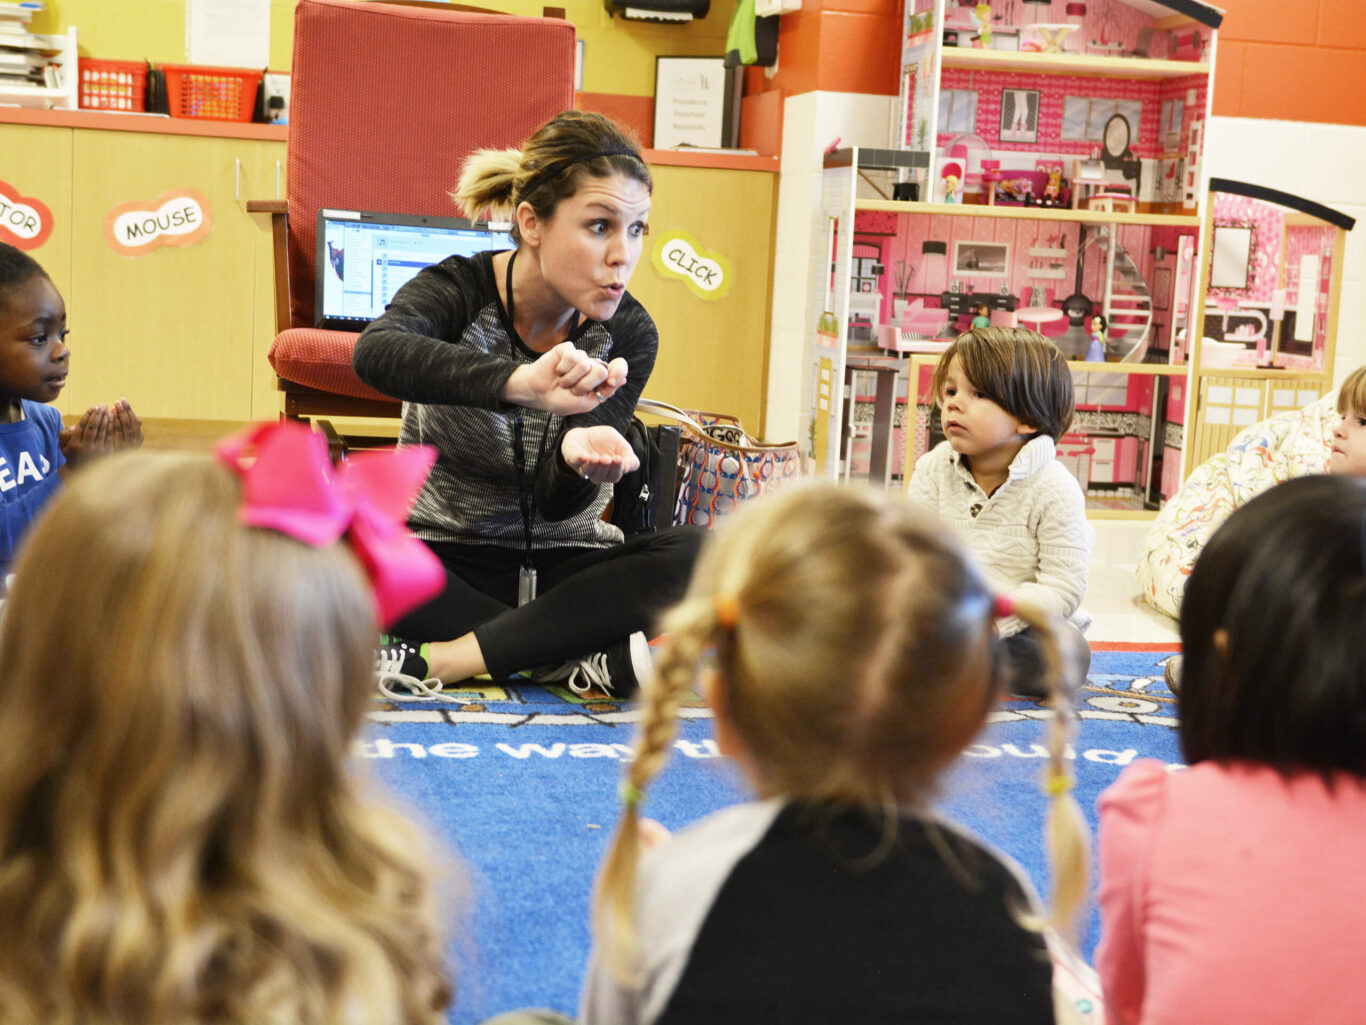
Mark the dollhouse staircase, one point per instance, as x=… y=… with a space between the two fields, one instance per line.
x=1128 y=303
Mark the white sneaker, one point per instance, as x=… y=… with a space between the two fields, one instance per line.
x=618 y=672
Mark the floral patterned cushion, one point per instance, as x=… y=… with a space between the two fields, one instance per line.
x=1267 y=453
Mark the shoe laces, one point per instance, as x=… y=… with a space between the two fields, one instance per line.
x=396 y=685
x=402 y=687
x=589 y=672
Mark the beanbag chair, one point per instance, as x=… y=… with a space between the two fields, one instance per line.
x=1286 y=445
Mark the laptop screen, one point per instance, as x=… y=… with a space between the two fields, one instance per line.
x=365 y=257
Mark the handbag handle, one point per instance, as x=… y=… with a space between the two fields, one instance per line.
x=662 y=409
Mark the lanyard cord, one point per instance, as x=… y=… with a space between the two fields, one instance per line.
x=525 y=496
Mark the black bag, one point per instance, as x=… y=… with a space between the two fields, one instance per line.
x=644 y=498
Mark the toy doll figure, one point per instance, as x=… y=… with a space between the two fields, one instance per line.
x=983 y=315
x=983 y=14
x=952 y=176
x=1095 y=352
x=1052 y=191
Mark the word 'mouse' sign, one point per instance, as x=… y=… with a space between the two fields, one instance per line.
x=180 y=217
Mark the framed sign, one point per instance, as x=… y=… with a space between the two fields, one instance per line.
x=1020 y=115
x=981 y=259
x=692 y=102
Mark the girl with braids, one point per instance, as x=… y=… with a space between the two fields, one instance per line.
x=1232 y=891
x=523 y=368
x=837 y=895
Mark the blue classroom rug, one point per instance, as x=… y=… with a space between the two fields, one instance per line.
x=520 y=784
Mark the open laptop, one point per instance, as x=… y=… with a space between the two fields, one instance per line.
x=365 y=257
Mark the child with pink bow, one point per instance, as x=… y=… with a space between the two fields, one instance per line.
x=189 y=652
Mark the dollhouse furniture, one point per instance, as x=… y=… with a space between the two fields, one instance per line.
x=917 y=323
x=1051 y=35
x=1034 y=317
x=389 y=134
x=1112 y=202
x=1088 y=179
x=1020 y=186
x=887 y=371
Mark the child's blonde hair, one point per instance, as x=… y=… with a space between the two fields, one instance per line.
x=1352 y=394
x=182 y=838
x=1019 y=370
x=816 y=587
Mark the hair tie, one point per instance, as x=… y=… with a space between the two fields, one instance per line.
x=289 y=485
x=727 y=610
x=1056 y=784
x=1003 y=607
x=631 y=795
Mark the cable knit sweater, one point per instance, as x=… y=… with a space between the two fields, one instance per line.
x=1030 y=536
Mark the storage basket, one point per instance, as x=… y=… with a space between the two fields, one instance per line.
x=219 y=94
x=112 y=85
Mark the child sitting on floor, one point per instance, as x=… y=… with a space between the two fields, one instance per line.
x=188 y=656
x=851 y=655
x=1232 y=891
x=1346 y=456
x=1005 y=398
x=34 y=359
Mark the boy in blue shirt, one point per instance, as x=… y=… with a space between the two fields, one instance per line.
x=34 y=359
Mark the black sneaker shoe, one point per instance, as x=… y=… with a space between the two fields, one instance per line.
x=618 y=672
x=401 y=673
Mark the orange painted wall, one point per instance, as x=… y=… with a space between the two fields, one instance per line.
x=1292 y=60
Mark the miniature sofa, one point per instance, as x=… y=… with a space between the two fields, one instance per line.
x=1286 y=445
x=1013 y=185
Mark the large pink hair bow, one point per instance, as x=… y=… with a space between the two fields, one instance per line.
x=291 y=486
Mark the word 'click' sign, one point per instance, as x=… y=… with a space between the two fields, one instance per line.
x=678 y=255
x=180 y=217
x=25 y=222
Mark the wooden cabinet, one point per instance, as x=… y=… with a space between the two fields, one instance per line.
x=712 y=352
x=37 y=165
x=181 y=331
x=172 y=330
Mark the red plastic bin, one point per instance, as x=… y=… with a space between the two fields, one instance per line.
x=112 y=85
x=218 y=94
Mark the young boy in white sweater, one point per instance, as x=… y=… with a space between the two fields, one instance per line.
x=1005 y=398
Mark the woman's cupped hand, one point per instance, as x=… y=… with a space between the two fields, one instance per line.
x=598 y=454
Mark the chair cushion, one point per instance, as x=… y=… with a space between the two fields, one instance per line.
x=320 y=359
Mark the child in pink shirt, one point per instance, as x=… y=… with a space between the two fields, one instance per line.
x=1232 y=891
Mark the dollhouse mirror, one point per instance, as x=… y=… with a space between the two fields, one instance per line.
x=1232 y=256
x=1116 y=136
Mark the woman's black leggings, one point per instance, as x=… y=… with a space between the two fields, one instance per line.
x=587 y=598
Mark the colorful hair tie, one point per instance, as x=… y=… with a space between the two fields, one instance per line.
x=1056 y=784
x=631 y=795
x=1003 y=607
x=727 y=610
x=290 y=485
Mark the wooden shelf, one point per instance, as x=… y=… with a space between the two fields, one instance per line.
x=1070 y=64
x=1025 y=213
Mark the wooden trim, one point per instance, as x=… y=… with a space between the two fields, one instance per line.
x=711 y=158
x=154 y=124
x=301 y=402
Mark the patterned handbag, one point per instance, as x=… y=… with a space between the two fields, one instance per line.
x=719 y=465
